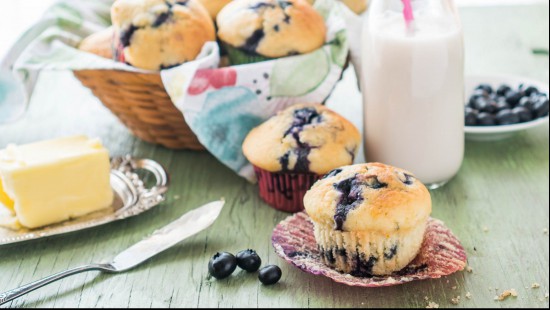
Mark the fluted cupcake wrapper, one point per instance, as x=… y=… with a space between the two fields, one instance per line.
x=364 y=254
x=284 y=191
x=239 y=57
x=441 y=254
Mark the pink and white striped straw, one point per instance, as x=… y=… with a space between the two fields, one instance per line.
x=408 y=13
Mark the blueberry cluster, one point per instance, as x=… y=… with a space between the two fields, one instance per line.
x=505 y=105
x=222 y=265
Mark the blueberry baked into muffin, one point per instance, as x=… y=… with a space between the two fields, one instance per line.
x=369 y=219
x=257 y=30
x=295 y=148
x=159 y=34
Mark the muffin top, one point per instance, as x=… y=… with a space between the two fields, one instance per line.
x=357 y=6
x=99 y=43
x=158 y=34
x=272 y=28
x=304 y=138
x=214 y=6
x=369 y=197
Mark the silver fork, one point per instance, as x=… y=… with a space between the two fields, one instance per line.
x=25 y=289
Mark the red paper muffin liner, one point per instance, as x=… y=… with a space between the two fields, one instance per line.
x=284 y=191
x=440 y=255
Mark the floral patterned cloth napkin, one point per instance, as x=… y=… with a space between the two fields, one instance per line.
x=221 y=105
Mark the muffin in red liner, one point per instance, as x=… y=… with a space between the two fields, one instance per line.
x=295 y=148
x=284 y=191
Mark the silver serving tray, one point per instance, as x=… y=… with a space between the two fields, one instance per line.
x=131 y=199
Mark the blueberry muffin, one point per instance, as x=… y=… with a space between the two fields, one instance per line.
x=369 y=219
x=159 y=34
x=295 y=148
x=357 y=6
x=214 y=6
x=99 y=43
x=257 y=30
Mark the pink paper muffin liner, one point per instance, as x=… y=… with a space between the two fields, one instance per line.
x=441 y=254
x=284 y=191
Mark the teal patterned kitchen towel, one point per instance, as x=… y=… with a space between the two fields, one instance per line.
x=222 y=105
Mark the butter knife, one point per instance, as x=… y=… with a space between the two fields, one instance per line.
x=186 y=226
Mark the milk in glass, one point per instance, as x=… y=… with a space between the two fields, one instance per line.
x=413 y=88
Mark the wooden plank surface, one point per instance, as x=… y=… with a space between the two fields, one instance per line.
x=498 y=206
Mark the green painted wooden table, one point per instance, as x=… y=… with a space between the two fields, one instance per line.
x=498 y=206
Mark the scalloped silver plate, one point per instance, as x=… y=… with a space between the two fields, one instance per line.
x=131 y=199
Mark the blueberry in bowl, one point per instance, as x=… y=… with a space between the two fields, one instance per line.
x=497 y=107
x=525 y=115
x=507 y=117
x=471 y=116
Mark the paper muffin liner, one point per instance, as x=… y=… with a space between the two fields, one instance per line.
x=368 y=253
x=284 y=191
x=441 y=254
x=239 y=57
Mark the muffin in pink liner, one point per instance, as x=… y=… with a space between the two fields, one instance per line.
x=369 y=219
x=297 y=147
x=440 y=255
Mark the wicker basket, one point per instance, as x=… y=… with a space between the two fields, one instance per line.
x=140 y=101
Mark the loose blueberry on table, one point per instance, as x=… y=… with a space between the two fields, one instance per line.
x=270 y=275
x=505 y=106
x=222 y=265
x=249 y=260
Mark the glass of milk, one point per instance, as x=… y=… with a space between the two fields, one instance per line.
x=413 y=88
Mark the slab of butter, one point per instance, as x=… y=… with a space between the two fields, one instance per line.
x=52 y=181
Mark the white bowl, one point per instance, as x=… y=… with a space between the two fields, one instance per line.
x=493 y=133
